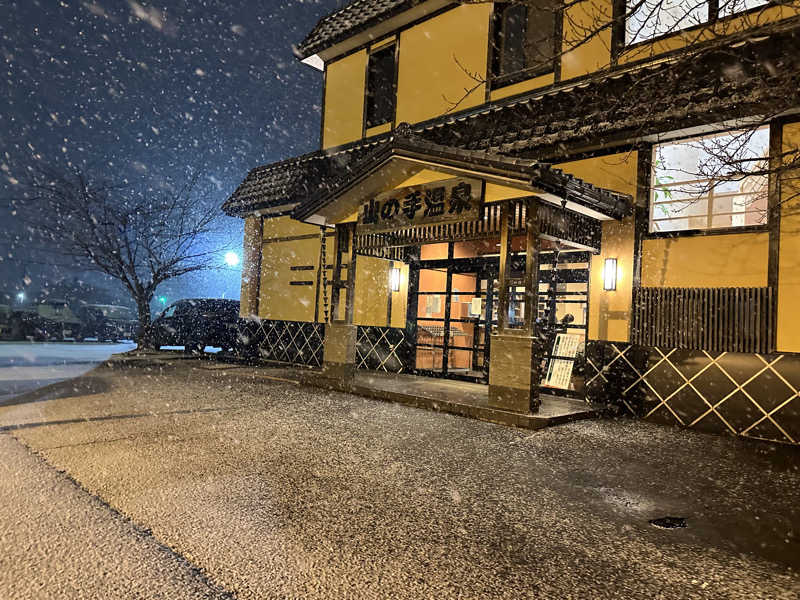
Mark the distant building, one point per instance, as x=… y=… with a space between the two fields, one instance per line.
x=496 y=199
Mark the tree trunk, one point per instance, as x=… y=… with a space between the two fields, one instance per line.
x=145 y=337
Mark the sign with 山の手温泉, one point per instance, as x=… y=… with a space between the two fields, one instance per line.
x=457 y=199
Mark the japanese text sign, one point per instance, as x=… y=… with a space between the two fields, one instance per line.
x=451 y=200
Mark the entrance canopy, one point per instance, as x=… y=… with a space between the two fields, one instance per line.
x=405 y=158
x=326 y=187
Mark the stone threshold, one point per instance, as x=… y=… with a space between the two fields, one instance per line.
x=458 y=398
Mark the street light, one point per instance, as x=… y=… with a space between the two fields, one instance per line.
x=231 y=259
x=21 y=297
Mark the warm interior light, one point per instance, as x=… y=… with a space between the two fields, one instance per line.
x=610 y=274
x=394 y=279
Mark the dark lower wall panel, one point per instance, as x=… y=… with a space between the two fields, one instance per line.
x=752 y=395
x=293 y=342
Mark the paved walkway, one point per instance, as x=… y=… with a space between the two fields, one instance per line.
x=276 y=490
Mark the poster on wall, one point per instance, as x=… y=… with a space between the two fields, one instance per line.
x=559 y=370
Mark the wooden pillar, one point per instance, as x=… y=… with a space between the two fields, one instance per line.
x=251 y=268
x=350 y=284
x=412 y=308
x=503 y=276
x=531 y=266
x=516 y=353
x=340 y=335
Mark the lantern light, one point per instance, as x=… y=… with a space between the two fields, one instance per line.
x=610 y=274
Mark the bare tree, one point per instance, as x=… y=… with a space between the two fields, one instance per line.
x=621 y=32
x=140 y=237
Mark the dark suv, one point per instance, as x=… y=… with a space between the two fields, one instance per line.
x=197 y=323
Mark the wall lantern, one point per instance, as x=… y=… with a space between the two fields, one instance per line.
x=610 y=274
x=394 y=279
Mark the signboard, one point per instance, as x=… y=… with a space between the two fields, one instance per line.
x=457 y=199
x=559 y=371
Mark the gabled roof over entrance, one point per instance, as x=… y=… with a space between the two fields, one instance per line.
x=404 y=154
x=309 y=184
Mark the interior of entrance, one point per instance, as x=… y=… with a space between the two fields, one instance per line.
x=456 y=307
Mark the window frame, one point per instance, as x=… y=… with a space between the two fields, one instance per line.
x=496 y=80
x=753 y=228
x=376 y=48
x=620 y=27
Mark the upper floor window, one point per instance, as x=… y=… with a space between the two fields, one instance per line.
x=524 y=38
x=647 y=19
x=381 y=91
x=714 y=182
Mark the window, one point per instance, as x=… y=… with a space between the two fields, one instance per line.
x=714 y=182
x=653 y=18
x=524 y=37
x=381 y=87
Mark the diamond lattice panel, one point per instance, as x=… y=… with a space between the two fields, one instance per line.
x=382 y=349
x=751 y=395
x=293 y=342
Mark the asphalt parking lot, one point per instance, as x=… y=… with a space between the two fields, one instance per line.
x=267 y=489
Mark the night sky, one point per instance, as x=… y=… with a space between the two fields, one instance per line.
x=145 y=90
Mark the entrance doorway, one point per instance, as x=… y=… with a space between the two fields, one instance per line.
x=455 y=309
x=456 y=302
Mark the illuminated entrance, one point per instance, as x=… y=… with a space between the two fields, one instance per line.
x=454 y=287
x=474 y=232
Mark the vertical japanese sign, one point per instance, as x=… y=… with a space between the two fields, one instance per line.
x=559 y=371
x=457 y=199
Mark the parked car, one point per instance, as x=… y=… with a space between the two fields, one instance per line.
x=5 y=315
x=50 y=319
x=197 y=323
x=108 y=322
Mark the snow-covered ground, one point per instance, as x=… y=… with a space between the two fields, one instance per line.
x=25 y=366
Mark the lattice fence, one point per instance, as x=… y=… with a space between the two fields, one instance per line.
x=383 y=349
x=294 y=342
x=752 y=395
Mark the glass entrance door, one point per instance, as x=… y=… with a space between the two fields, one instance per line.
x=454 y=310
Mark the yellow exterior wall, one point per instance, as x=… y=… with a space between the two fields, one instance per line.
x=726 y=260
x=277 y=298
x=400 y=298
x=789 y=260
x=428 y=72
x=283 y=227
x=251 y=250
x=280 y=300
x=522 y=87
x=610 y=312
x=584 y=53
x=372 y=291
x=343 y=119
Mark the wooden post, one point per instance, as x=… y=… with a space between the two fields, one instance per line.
x=531 y=265
x=516 y=353
x=340 y=335
x=503 y=275
x=350 y=286
x=336 y=283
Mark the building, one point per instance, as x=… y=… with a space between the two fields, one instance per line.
x=545 y=200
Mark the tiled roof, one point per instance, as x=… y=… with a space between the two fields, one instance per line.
x=315 y=179
x=288 y=182
x=357 y=15
x=752 y=77
x=404 y=143
x=722 y=83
